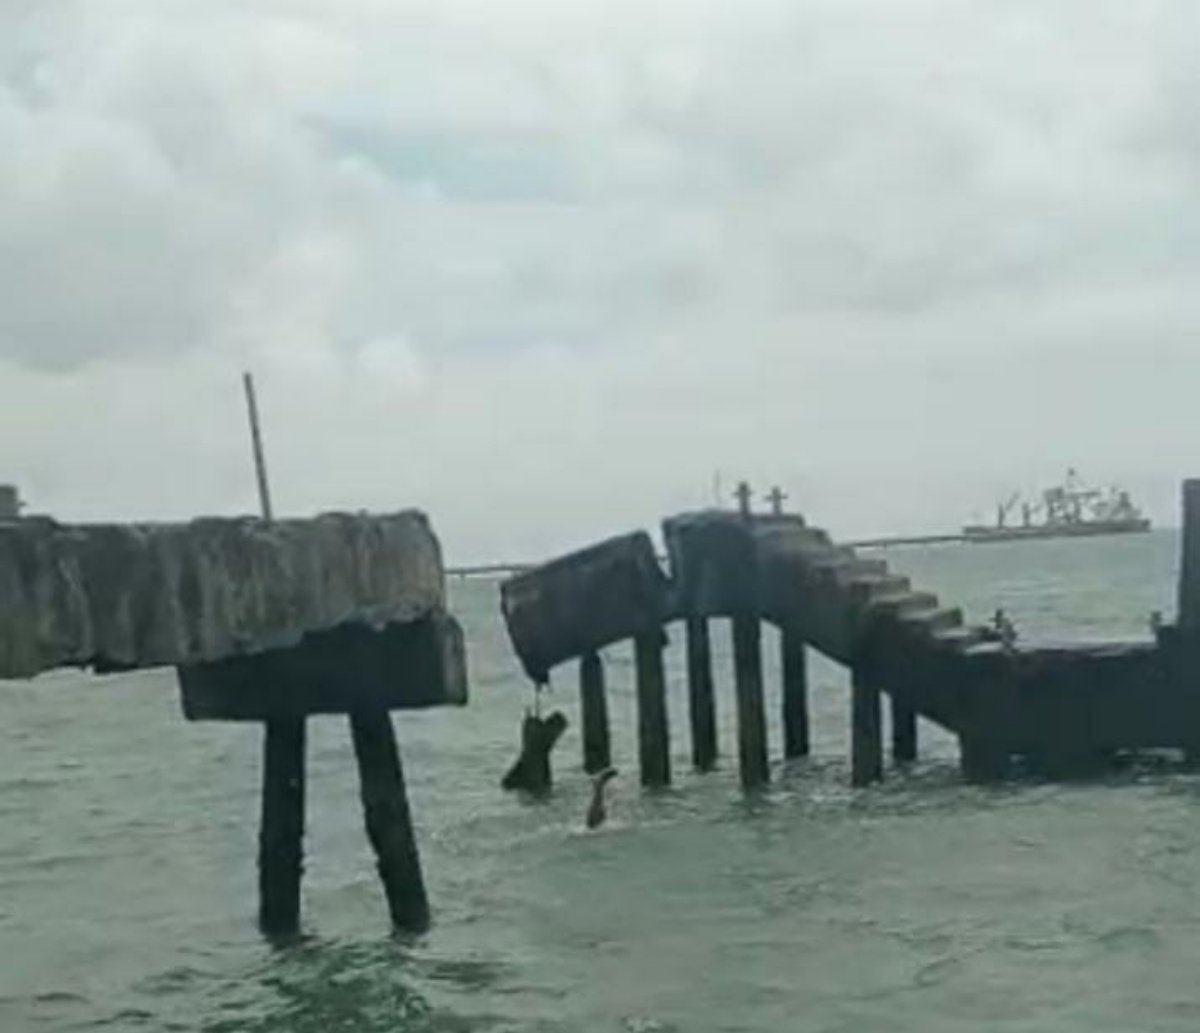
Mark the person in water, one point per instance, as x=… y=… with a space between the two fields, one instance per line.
x=597 y=812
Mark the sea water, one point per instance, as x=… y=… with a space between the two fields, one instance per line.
x=128 y=842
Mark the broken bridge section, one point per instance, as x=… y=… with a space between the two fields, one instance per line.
x=1062 y=709
x=266 y=622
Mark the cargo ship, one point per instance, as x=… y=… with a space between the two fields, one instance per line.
x=1067 y=510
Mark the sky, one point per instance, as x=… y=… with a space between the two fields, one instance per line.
x=551 y=271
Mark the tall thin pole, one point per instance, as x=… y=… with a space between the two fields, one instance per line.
x=260 y=464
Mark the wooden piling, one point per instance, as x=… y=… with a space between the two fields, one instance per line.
x=866 y=738
x=654 y=744
x=794 y=664
x=281 y=835
x=752 y=716
x=904 y=727
x=701 y=704
x=388 y=819
x=593 y=709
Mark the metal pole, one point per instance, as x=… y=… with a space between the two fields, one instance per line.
x=260 y=464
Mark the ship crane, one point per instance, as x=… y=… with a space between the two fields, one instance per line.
x=1005 y=507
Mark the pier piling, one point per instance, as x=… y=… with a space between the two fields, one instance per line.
x=388 y=819
x=593 y=709
x=866 y=740
x=794 y=664
x=904 y=726
x=702 y=707
x=281 y=834
x=982 y=759
x=654 y=744
x=1189 y=568
x=752 y=717
x=1188 y=618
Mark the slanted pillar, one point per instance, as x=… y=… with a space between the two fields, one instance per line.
x=904 y=727
x=388 y=819
x=752 y=717
x=654 y=743
x=794 y=663
x=593 y=709
x=866 y=738
x=702 y=706
x=281 y=835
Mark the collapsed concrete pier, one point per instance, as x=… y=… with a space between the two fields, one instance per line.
x=267 y=622
x=1060 y=709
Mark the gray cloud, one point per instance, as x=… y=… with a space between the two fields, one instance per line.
x=542 y=270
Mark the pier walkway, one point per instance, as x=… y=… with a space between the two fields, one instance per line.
x=1059 y=709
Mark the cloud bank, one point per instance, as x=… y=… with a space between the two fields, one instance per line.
x=543 y=269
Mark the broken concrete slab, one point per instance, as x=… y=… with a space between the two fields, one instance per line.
x=581 y=602
x=118 y=596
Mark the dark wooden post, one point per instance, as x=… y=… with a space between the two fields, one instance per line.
x=388 y=820
x=904 y=727
x=866 y=738
x=593 y=709
x=794 y=663
x=752 y=716
x=654 y=741
x=281 y=836
x=702 y=707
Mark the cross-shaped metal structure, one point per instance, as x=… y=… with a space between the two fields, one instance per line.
x=744 y=495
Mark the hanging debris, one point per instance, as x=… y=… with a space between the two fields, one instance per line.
x=531 y=772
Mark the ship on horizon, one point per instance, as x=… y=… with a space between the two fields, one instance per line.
x=1067 y=510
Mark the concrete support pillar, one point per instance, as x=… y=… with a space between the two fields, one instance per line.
x=702 y=706
x=388 y=819
x=904 y=728
x=593 y=709
x=794 y=663
x=866 y=733
x=281 y=836
x=654 y=740
x=1189 y=565
x=752 y=717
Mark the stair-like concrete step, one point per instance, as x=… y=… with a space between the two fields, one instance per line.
x=959 y=638
x=931 y=621
x=903 y=603
x=844 y=569
x=864 y=590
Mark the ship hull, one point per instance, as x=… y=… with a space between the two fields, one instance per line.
x=1084 y=529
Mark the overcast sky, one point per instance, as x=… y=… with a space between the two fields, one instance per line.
x=542 y=268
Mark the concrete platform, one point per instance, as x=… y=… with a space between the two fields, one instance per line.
x=120 y=596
